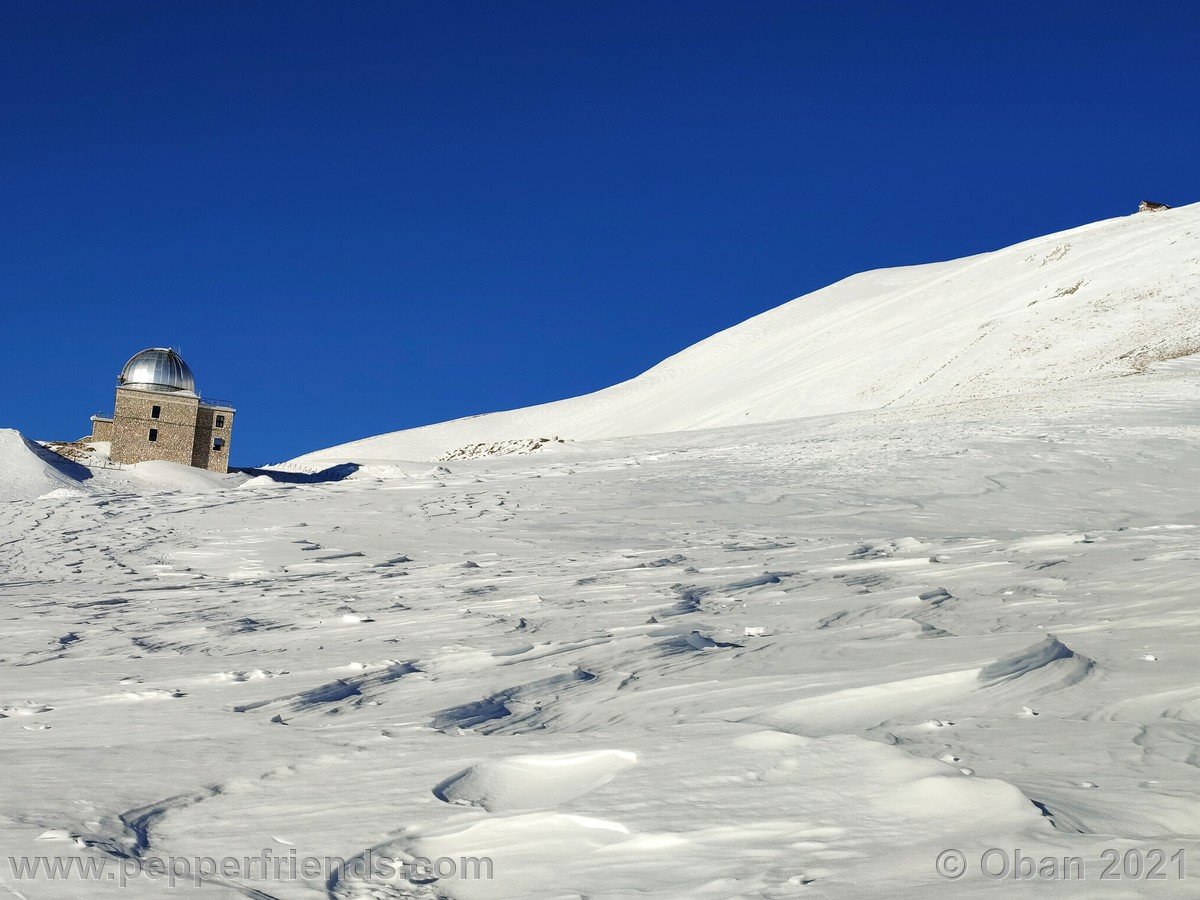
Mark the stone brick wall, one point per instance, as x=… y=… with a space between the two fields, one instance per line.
x=102 y=429
x=175 y=425
x=204 y=455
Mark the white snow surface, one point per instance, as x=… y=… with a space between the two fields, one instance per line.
x=28 y=470
x=1100 y=300
x=789 y=659
x=168 y=476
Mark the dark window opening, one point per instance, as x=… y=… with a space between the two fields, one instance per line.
x=155 y=412
x=218 y=443
x=220 y=421
x=153 y=435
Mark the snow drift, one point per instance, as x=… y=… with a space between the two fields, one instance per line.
x=533 y=782
x=1100 y=300
x=28 y=470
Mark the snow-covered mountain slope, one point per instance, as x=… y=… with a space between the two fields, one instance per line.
x=1100 y=300
x=765 y=662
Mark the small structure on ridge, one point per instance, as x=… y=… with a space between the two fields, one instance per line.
x=159 y=415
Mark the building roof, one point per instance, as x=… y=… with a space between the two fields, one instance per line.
x=157 y=369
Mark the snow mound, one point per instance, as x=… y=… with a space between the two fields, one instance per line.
x=533 y=782
x=1109 y=298
x=1047 y=665
x=1043 y=668
x=28 y=470
x=259 y=481
x=855 y=709
x=161 y=475
x=821 y=798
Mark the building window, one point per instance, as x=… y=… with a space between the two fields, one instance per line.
x=153 y=436
x=155 y=412
x=218 y=444
x=220 y=421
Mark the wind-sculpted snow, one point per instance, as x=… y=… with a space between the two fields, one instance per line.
x=1051 y=662
x=1049 y=665
x=530 y=782
x=28 y=470
x=1096 y=302
x=773 y=661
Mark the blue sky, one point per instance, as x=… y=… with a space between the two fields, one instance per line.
x=359 y=217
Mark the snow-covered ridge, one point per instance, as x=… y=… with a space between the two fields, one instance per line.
x=28 y=471
x=1100 y=300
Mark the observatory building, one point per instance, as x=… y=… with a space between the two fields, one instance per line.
x=159 y=415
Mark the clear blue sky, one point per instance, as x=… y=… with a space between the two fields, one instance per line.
x=359 y=217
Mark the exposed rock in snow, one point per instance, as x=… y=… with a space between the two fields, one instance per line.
x=500 y=448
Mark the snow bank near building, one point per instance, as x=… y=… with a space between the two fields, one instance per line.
x=168 y=476
x=28 y=470
x=1105 y=299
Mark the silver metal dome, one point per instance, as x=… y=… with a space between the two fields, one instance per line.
x=157 y=369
